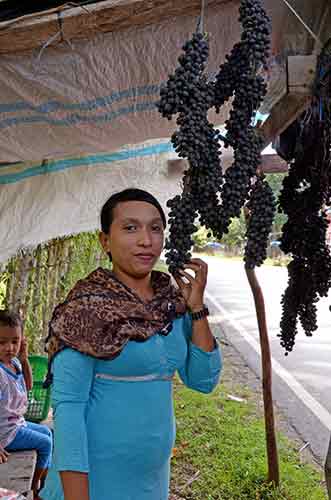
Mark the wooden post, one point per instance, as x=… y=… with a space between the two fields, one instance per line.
x=285 y=112
x=273 y=465
x=78 y=22
x=327 y=470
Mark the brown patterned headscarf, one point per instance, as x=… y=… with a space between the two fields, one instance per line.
x=101 y=314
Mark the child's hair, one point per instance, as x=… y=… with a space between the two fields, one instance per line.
x=10 y=318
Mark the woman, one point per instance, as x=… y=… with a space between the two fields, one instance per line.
x=115 y=345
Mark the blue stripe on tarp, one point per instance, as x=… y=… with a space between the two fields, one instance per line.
x=90 y=105
x=77 y=118
x=58 y=165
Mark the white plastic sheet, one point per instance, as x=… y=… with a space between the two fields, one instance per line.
x=41 y=202
x=100 y=94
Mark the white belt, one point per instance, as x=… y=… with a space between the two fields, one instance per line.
x=142 y=378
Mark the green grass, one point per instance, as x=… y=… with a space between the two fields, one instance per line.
x=222 y=444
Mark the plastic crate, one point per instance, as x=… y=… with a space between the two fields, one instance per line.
x=39 y=399
x=39 y=366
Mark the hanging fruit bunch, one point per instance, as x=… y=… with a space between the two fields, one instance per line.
x=241 y=75
x=261 y=212
x=188 y=95
x=305 y=195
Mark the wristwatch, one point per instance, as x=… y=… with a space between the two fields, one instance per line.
x=203 y=313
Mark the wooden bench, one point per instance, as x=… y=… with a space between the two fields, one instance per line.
x=17 y=473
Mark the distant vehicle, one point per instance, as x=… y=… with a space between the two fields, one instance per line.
x=214 y=245
x=275 y=243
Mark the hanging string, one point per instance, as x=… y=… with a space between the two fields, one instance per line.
x=201 y=22
x=53 y=38
x=303 y=22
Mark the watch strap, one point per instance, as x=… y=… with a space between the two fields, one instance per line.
x=203 y=313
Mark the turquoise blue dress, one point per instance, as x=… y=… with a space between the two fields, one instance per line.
x=115 y=419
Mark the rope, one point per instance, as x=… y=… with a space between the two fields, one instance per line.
x=315 y=37
x=201 y=22
x=60 y=21
x=53 y=38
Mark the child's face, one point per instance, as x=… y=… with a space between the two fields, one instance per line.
x=10 y=342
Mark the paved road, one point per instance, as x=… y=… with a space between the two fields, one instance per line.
x=302 y=380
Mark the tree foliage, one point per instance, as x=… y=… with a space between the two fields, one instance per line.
x=3 y=280
x=236 y=235
x=201 y=238
x=276 y=181
x=36 y=280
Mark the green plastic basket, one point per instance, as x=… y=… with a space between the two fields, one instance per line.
x=39 y=399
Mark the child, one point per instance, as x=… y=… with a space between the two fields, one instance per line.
x=15 y=381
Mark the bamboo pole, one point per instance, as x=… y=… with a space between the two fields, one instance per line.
x=273 y=465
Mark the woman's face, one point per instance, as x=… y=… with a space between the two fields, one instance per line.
x=135 y=239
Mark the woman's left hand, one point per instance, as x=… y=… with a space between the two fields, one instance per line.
x=193 y=288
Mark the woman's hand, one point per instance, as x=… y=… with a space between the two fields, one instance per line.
x=193 y=287
x=23 y=355
x=3 y=455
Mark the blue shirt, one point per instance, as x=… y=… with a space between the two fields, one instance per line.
x=115 y=420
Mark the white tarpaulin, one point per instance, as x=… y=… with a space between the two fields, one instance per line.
x=99 y=94
x=40 y=202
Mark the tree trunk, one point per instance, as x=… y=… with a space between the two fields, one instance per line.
x=273 y=465
x=62 y=257
x=53 y=276
x=11 y=267
x=45 y=294
x=14 y=287
x=30 y=285
x=21 y=292
x=36 y=300
x=66 y=253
